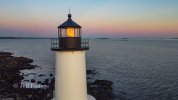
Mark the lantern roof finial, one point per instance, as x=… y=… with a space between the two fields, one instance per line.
x=69 y=15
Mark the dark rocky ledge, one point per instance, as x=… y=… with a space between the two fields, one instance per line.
x=10 y=67
x=10 y=80
x=100 y=89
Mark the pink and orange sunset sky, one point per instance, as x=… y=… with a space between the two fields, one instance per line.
x=98 y=18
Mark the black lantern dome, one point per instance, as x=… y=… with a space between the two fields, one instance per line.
x=69 y=37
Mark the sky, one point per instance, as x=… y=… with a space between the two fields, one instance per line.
x=98 y=18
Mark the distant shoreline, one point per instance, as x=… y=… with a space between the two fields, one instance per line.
x=102 y=38
x=91 y=38
x=24 y=38
x=173 y=38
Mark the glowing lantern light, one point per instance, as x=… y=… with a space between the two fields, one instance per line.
x=70 y=32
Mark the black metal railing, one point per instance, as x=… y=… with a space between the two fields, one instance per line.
x=58 y=45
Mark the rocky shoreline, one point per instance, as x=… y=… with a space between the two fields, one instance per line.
x=12 y=89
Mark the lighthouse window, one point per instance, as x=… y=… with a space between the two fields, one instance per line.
x=70 y=32
x=77 y=32
x=62 y=32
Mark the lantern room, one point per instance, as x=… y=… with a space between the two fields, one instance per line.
x=69 y=37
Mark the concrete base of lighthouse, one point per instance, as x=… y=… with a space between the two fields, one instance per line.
x=70 y=76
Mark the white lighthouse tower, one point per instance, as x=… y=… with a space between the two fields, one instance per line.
x=70 y=71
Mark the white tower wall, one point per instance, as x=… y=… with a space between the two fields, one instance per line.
x=70 y=76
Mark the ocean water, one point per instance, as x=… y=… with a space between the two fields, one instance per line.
x=141 y=69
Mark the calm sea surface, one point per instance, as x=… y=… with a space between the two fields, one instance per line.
x=140 y=69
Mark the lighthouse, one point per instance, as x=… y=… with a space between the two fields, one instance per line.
x=70 y=70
